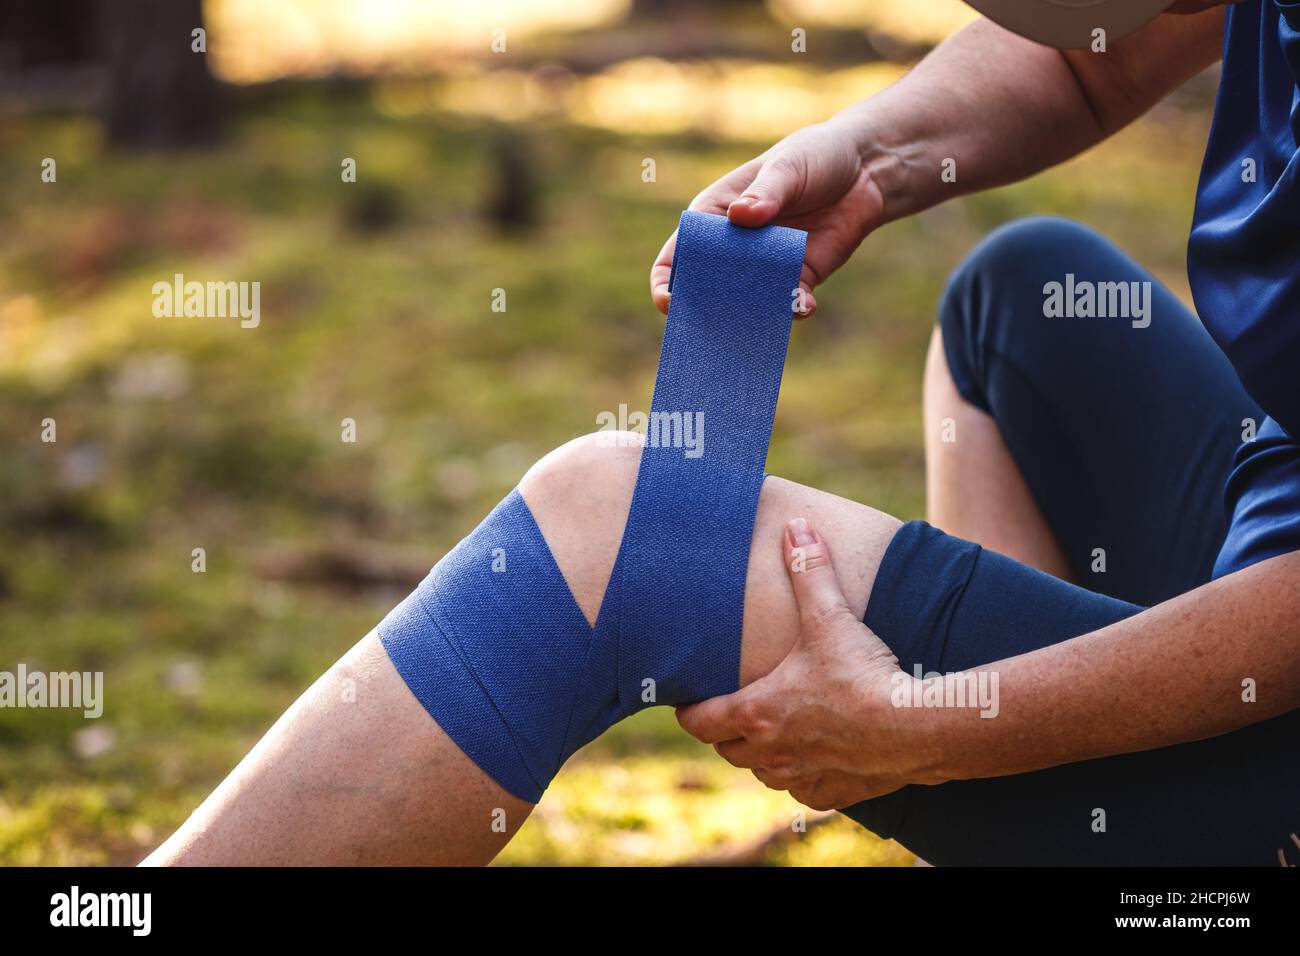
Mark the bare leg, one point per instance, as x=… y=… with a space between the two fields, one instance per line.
x=357 y=772
x=973 y=485
x=354 y=773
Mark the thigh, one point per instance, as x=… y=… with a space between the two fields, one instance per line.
x=943 y=604
x=1118 y=408
x=357 y=771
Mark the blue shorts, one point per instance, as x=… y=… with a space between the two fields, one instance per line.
x=1130 y=438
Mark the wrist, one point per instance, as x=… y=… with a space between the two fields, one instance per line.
x=929 y=736
x=904 y=737
x=898 y=158
x=882 y=163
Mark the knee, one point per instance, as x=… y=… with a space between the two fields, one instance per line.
x=580 y=496
x=588 y=478
x=1013 y=262
x=494 y=651
x=993 y=302
x=1033 y=245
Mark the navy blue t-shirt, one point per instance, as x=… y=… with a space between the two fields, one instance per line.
x=1244 y=253
x=1244 y=265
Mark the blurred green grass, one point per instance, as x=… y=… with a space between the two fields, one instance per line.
x=175 y=434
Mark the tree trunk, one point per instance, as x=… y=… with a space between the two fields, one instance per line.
x=159 y=92
x=37 y=34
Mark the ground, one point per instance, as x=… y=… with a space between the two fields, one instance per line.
x=175 y=434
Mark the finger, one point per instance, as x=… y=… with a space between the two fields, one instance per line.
x=778 y=181
x=776 y=780
x=713 y=200
x=805 y=303
x=661 y=272
x=814 y=796
x=829 y=792
x=816 y=588
x=714 y=720
x=744 y=754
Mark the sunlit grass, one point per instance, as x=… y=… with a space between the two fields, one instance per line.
x=256 y=41
x=646 y=96
x=439 y=60
x=916 y=21
x=177 y=433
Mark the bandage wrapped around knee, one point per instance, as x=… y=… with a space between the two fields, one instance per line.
x=492 y=642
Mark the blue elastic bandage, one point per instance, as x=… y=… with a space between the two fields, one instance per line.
x=492 y=642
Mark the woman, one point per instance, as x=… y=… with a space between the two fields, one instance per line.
x=1147 y=652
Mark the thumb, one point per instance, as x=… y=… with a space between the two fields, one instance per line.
x=816 y=587
x=776 y=184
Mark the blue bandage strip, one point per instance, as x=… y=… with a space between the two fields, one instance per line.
x=492 y=642
x=680 y=577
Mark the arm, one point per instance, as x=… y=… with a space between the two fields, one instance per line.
x=1005 y=107
x=823 y=724
x=1002 y=107
x=1169 y=675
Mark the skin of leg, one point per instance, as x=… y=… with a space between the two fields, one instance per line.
x=357 y=772
x=974 y=489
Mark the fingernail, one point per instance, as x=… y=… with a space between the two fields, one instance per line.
x=661 y=289
x=745 y=201
x=801 y=533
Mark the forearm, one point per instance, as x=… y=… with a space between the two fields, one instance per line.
x=1003 y=108
x=1210 y=661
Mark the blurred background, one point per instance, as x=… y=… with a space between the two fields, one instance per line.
x=475 y=170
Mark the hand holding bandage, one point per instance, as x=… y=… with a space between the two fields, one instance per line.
x=492 y=642
x=821 y=725
x=816 y=180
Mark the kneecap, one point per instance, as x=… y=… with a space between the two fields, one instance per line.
x=520 y=666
